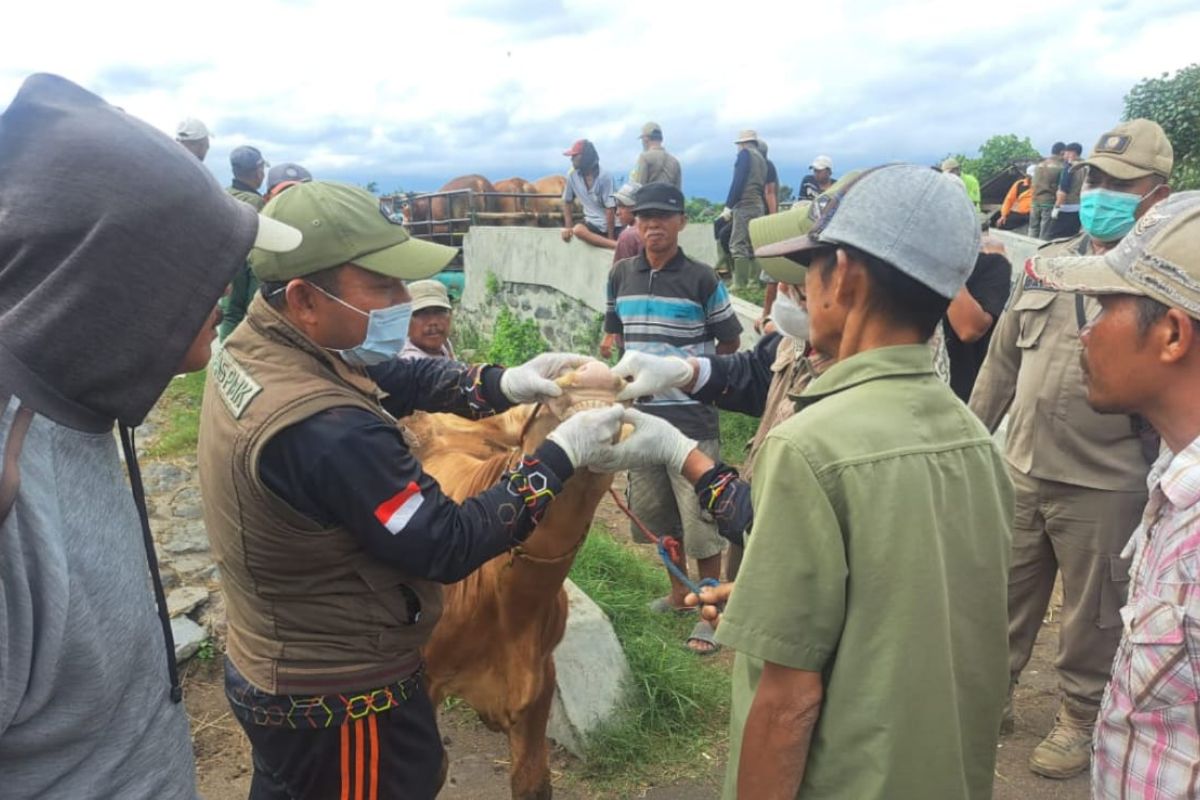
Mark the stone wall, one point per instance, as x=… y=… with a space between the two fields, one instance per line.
x=561 y=285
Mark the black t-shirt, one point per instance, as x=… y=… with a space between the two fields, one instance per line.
x=990 y=284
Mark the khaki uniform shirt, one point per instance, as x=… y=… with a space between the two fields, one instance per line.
x=1032 y=372
x=1045 y=181
x=657 y=164
x=879 y=558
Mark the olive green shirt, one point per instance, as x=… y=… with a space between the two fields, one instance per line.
x=655 y=165
x=241 y=290
x=879 y=558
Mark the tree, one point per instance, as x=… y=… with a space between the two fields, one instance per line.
x=1173 y=101
x=786 y=193
x=701 y=209
x=372 y=187
x=996 y=154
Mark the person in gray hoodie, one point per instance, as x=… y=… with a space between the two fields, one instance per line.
x=115 y=244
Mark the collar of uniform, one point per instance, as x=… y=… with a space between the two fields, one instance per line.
x=908 y=360
x=244 y=187
x=274 y=325
x=1178 y=475
x=677 y=261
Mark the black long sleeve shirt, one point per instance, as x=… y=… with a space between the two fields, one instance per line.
x=345 y=466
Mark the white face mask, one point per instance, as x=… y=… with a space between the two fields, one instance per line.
x=789 y=317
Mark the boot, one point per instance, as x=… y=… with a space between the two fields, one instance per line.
x=1067 y=749
x=741 y=272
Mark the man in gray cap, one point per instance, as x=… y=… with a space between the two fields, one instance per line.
x=860 y=601
x=655 y=164
x=249 y=170
x=429 y=329
x=193 y=135
x=283 y=176
x=744 y=203
x=1080 y=476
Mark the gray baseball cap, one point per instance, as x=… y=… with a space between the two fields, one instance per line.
x=914 y=218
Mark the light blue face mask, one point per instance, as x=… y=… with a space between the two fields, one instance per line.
x=387 y=332
x=1108 y=215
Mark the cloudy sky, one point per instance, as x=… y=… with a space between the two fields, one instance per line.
x=411 y=94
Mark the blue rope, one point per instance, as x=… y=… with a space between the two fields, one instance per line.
x=672 y=568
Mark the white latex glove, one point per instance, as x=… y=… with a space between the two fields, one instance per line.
x=533 y=381
x=652 y=374
x=727 y=213
x=653 y=442
x=588 y=435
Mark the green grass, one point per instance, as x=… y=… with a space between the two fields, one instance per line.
x=736 y=432
x=753 y=292
x=678 y=708
x=180 y=428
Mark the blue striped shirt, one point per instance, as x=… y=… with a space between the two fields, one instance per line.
x=682 y=309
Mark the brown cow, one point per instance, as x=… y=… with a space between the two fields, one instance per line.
x=516 y=205
x=458 y=206
x=495 y=642
x=550 y=209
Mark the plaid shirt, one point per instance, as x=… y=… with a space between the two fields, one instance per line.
x=1148 y=732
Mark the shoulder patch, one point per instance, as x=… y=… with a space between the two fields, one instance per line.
x=234 y=383
x=1033 y=284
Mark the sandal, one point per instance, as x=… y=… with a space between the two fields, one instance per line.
x=703 y=632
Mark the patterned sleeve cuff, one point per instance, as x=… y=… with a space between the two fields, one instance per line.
x=481 y=388
x=722 y=493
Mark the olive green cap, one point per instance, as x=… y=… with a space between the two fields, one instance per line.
x=344 y=224
x=1132 y=150
x=773 y=228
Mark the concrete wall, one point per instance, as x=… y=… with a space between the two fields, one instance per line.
x=561 y=285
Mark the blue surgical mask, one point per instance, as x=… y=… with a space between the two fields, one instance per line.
x=1108 y=215
x=387 y=332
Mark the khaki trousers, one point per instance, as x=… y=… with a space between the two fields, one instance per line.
x=1080 y=532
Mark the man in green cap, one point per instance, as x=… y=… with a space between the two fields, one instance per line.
x=331 y=539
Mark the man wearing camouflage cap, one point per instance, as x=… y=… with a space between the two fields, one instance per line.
x=1141 y=355
x=331 y=539
x=1080 y=476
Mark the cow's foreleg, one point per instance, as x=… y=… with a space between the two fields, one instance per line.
x=528 y=747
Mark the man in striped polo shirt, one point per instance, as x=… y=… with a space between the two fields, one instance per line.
x=664 y=303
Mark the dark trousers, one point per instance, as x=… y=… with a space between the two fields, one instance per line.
x=394 y=754
x=1066 y=224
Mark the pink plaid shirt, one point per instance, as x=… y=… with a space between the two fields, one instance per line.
x=1148 y=732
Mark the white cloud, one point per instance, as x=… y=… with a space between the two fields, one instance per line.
x=414 y=93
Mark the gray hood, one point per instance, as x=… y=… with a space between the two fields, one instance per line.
x=115 y=243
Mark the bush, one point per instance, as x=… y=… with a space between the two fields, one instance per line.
x=514 y=340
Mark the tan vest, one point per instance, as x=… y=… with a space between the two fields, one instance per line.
x=756 y=181
x=310 y=612
x=792 y=372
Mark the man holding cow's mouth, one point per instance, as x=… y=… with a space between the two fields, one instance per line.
x=331 y=539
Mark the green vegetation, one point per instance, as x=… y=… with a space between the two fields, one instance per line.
x=736 y=432
x=753 y=292
x=207 y=651
x=1173 y=101
x=678 y=706
x=179 y=431
x=492 y=286
x=514 y=340
x=701 y=209
x=997 y=153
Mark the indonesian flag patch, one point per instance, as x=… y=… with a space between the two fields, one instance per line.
x=395 y=512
